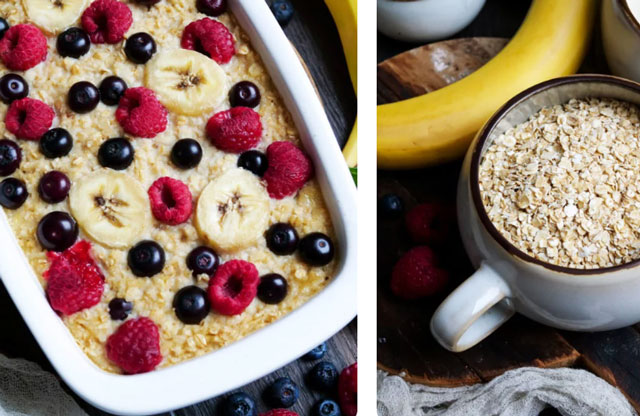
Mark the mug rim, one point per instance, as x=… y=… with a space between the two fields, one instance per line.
x=628 y=15
x=484 y=134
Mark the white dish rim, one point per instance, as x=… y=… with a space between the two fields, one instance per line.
x=257 y=354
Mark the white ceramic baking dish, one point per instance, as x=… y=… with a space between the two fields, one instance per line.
x=257 y=354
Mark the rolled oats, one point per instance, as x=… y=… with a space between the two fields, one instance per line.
x=562 y=186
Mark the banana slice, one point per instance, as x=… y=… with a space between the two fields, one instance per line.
x=187 y=82
x=53 y=16
x=232 y=211
x=111 y=207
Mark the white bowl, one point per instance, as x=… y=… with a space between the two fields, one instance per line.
x=425 y=20
x=257 y=354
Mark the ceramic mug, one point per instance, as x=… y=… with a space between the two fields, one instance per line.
x=621 y=38
x=507 y=279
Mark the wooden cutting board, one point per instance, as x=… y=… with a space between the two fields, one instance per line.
x=405 y=345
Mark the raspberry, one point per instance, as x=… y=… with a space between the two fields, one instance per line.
x=135 y=346
x=235 y=130
x=233 y=287
x=416 y=274
x=141 y=114
x=28 y=118
x=279 y=412
x=22 y=47
x=106 y=21
x=348 y=390
x=171 y=201
x=75 y=281
x=211 y=38
x=431 y=223
x=289 y=169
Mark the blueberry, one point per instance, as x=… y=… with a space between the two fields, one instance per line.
x=116 y=153
x=13 y=87
x=112 y=89
x=191 y=305
x=254 y=161
x=73 y=42
x=238 y=404
x=119 y=309
x=146 y=258
x=212 y=7
x=272 y=288
x=323 y=377
x=57 y=231
x=4 y=26
x=10 y=157
x=83 y=97
x=282 y=10
x=140 y=47
x=316 y=249
x=326 y=407
x=282 y=239
x=390 y=206
x=244 y=94
x=203 y=260
x=316 y=353
x=281 y=393
x=147 y=3
x=186 y=153
x=54 y=187
x=13 y=193
x=56 y=143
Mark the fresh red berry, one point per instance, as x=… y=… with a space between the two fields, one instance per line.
x=235 y=130
x=211 y=38
x=431 y=223
x=135 y=346
x=28 y=118
x=289 y=169
x=106 y=21
x=171 y=201
x=416 y=274
x=348 y=390
x=233 y=287
x=141 y=114
x=23 y=47
x=279 y=412
x=75 y=281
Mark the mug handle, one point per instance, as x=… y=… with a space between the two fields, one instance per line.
x=473 y=311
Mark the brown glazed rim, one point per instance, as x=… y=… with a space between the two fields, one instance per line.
x=477 y=153
x=626 y=11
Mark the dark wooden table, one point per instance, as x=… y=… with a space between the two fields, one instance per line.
x=404 y=341
x=324 y=58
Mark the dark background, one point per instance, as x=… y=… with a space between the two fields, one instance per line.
x=315 y=36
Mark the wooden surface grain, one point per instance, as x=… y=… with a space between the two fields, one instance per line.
x=405 y=344
x=314 y=35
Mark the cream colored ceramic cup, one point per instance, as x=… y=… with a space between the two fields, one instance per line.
x=621 y=37
x=508 y=280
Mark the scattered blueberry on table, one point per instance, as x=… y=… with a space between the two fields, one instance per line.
x=238 y=404
x=283 y=392
x=326 y=407
x=390 y=206
x=282 y=10
x=323 y=377
x=316 y=353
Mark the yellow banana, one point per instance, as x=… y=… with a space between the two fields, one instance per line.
x=438 y=126
x=345 y=15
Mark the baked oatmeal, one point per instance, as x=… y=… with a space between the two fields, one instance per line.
x=563 y=185
x=170 y=209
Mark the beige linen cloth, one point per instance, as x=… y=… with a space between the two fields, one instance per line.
x=28 y=390
x=522 y=392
